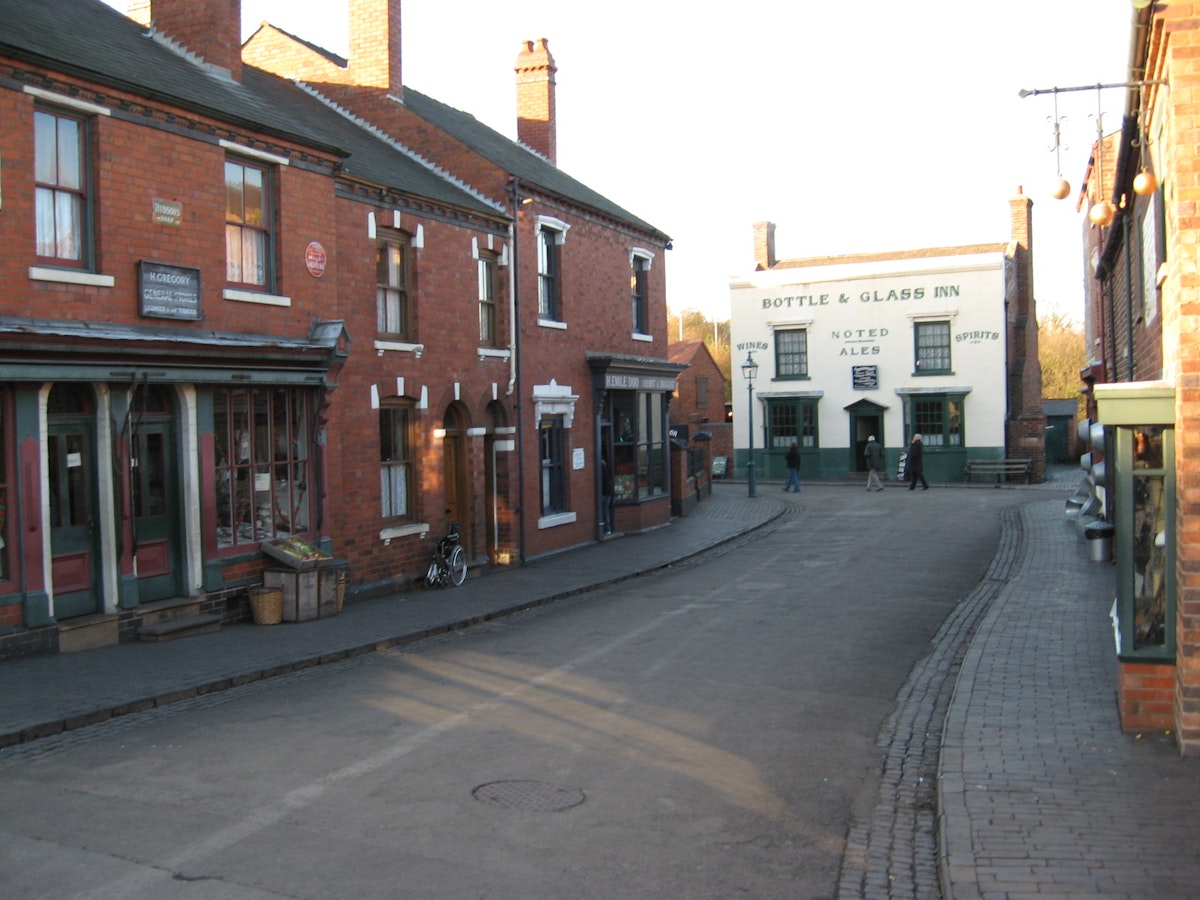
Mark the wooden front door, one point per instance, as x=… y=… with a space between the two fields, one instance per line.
x=71 y=478
x=157 y=533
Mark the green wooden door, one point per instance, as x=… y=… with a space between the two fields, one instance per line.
x=157 y=533
x=74 y=547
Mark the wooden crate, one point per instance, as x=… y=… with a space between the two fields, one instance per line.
x=308 y=594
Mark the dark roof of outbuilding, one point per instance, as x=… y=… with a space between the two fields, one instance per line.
x=95 y=43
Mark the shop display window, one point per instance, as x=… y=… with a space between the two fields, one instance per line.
x=261 y=444
x=1144 y=503
x=639 y=446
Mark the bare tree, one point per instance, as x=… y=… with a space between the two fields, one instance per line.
x=1062 y=352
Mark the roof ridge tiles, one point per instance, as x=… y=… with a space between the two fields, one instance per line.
x=382 y=135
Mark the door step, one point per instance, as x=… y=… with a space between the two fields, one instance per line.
x=180 y=627
x=88 y=633
x=165 y=610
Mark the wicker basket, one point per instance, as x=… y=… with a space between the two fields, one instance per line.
x=266 y=605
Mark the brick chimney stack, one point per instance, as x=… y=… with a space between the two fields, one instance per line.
x=211 y=29
x=764 y=245
x=139 y=11
x=536 y=125
x=375 y=45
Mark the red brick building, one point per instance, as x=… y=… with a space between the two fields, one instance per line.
x=699 y=402
x=235 y=313
x=590 y=378
x=1144 y=377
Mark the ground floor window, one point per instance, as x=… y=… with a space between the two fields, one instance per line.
x=395 y=461
x=791 y=420
x=552 y=440
x=5 y=480
x=262 y=444
x=639 y=445
x=939 y=420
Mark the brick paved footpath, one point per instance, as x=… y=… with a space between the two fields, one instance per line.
x=1038 y=792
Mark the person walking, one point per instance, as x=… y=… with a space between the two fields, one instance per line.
x=793 y=467
x=916 y=465
x=874 y=455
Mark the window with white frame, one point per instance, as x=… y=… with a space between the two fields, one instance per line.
x=552 y=441
x=395 y=460
x=551 y=235
x=485 y=268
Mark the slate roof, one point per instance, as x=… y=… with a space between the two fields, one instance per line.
x=516 y=159
x=96 y=43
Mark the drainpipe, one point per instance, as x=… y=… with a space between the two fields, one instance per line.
x=514 y=383
x=1132 y=293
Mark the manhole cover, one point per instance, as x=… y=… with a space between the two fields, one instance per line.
x=532 y=795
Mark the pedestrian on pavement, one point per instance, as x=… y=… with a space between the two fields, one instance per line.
x=793 y=467
x=874 y=455
x=916 y=465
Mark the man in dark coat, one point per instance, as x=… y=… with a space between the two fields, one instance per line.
x=874 y=456
x=793 y=467
x=916 y=465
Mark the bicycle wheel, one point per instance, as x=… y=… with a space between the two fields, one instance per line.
x=433 y=575
x=458 y=565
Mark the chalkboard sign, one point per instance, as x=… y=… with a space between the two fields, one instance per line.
x=169 y=292
x=865 y=378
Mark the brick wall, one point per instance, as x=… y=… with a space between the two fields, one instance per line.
x=1146 y=696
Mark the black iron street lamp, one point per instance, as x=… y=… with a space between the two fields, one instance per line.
x=750 y=372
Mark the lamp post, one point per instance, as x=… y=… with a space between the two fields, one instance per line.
x=750 y=372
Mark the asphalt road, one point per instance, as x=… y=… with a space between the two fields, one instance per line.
x=706 y=732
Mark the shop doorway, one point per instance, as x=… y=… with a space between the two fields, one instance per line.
x=157 y=532
x=73 y=500
x=495 y=481
x=866 y=419
x=455 y=477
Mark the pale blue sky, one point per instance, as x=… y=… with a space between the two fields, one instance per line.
x=873 y=126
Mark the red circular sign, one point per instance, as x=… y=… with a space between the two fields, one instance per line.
x=314 y=259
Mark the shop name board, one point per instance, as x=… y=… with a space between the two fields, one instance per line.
x=975 y=337
x=638 y=382
x=892 y=295
x=169 y=292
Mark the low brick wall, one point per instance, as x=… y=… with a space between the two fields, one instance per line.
x=1146 y=696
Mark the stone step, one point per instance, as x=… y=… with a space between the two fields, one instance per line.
x=88 y=633
x=172 y=608
x=181 y=627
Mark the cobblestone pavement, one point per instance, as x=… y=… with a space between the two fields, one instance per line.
x=1004 y=772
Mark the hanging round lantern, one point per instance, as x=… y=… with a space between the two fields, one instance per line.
x=1144 y=183
x=1062 y=187
x=1101 y=213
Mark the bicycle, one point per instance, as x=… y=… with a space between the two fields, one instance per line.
x=449 y=563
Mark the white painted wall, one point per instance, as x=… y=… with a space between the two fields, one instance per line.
x=863 y=314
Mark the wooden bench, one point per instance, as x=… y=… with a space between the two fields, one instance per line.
x=1000 y=468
